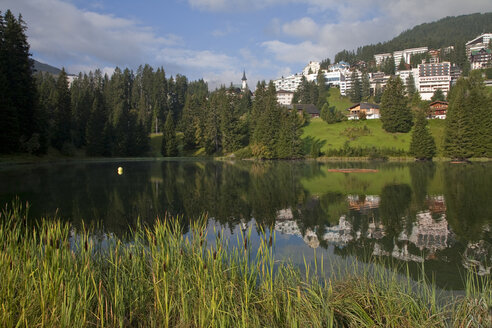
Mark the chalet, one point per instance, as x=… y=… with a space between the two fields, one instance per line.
x=480 y=58
x=308 y=108
x=437 y=109
x=371 y=111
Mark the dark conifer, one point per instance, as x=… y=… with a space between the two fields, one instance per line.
x=458 y=133
x=365 y=87
x=411 y=86
x=395 y=114
x=62 y=113
x=355 y=91
x=169 y=146
x=17 y=86
x=422 y=145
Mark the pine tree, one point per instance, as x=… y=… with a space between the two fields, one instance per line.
x=438 y=95
x=366 y=87
x=267 y=126
x=81 y=102
x=190 y=112
x=378 y=93
x=395 y=114
x=458 y=132
x=355 y=90
x=481 y=120
x=95 y=130
x=401 y=65
x=19 y=98
x=422 y=145
x=62 y=113
x=289 y=142
x=169 y=144
x=411 y=86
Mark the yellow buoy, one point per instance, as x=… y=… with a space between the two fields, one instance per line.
x=120 y=170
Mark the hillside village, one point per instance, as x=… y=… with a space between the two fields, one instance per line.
x=432 y=72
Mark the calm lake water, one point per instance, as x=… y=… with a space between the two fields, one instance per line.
x=436 y=216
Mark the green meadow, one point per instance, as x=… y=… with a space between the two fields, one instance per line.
x=335 y=136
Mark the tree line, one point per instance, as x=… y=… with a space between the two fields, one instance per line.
x=114 y=115
x=468 y=125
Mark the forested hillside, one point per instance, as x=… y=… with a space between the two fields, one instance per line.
x=449 y=31
x=42 y=67
x=114 y=115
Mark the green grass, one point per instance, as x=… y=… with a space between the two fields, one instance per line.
x=54 y=276
x=338 y=101
x=333 y=136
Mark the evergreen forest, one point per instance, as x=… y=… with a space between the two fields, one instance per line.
x=114 y=115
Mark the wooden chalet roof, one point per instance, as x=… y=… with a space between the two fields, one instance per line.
x=438 y=102
x=364 y=106
x=309 y=108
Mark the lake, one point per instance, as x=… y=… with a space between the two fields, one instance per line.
x=432 y=216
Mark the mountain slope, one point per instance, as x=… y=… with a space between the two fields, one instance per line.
x=41 y=67
x=449 y=31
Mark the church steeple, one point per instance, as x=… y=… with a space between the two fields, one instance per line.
x=244 y=79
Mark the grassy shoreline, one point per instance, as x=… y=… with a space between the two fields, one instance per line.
x=53 y=276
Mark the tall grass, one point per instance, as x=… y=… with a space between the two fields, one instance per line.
x=52 y=276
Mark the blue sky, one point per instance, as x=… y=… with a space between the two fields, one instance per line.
x=217 y=39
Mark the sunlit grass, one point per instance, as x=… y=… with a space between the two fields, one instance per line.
x=332 y=136
x=54 y=276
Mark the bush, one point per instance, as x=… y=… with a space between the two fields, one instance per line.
x=244 y=153
x=315 y=150
x=353 y=132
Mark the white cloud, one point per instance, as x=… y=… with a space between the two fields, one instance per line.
x=230 y=5
x=295 y=53
x=63 y=33
x=81 y=40
x=353 y=23
x=226 y=30
x=302 y=28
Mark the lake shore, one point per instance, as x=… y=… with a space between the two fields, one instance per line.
x=55 y=275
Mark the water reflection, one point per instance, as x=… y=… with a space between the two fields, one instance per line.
x=439 y=214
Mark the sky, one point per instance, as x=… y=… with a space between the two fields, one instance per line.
x=217 y=39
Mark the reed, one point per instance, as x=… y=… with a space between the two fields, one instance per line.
x=54 y=276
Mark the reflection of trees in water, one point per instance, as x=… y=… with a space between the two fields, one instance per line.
x=421 y=174
x=90 y=192
x=394 y=206
x=468 y=200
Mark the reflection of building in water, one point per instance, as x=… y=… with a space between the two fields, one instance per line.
x=363 y=203
x=478 y=256
x=437 y=204
x=338 y=234
x=428 y=233
x=398 y=253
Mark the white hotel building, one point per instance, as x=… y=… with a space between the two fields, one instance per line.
x=432 y=77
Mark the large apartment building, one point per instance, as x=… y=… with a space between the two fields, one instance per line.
x=407 y=54
x=335 y=75
x=398 y=55
x=434 y=76
x=289 y=83
x=481 y=41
